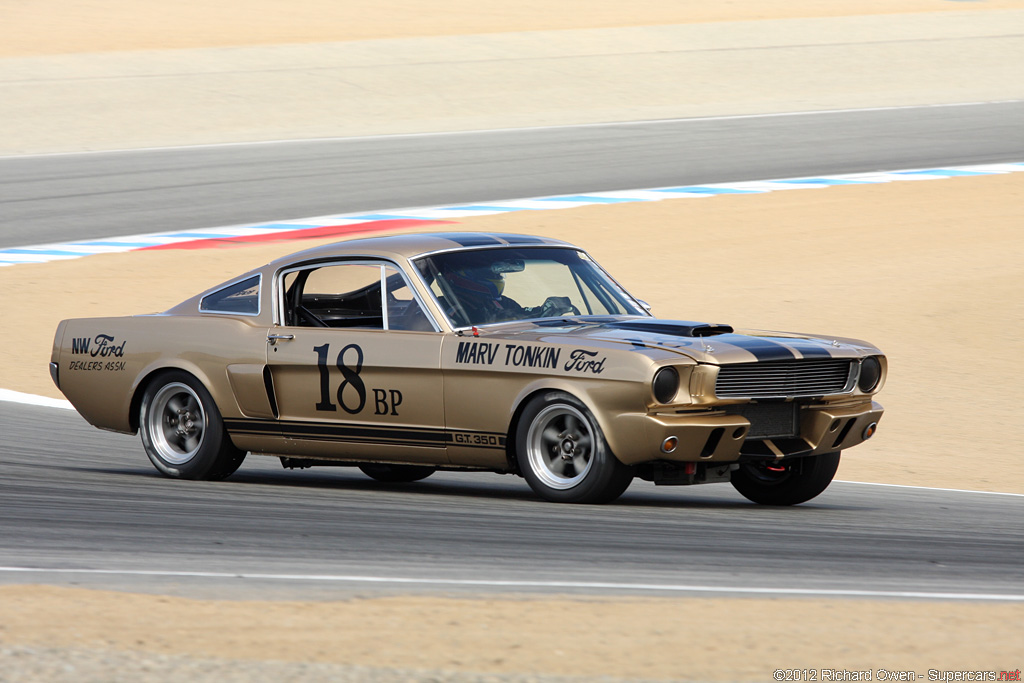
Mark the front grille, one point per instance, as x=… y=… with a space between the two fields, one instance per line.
x=768 y=420
x=786 y=378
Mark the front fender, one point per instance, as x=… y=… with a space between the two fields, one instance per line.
x=614 y=405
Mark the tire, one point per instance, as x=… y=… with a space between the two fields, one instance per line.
x=182 y=430
x=563 y=455
x=797 y=482
x=397 y=474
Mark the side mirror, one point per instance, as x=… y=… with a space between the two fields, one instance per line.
x=643 y=304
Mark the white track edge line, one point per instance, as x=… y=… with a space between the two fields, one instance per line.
x=34 y=400
x=928 y=488
x=484 y=583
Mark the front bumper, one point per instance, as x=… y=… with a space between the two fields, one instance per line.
x=716 y=436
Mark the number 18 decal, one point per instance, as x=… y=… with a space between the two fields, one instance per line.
x=385 y=401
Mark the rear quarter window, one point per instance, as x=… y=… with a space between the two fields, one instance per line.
x=239 y=298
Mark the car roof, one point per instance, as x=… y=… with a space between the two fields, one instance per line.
x=417 y=244
x=390 y=247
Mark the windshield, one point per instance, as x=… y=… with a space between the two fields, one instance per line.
x=496 y=285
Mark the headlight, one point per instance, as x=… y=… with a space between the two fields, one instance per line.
x=665 y=384
x=870 y=373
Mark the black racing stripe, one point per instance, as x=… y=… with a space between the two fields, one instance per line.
x=369 y=442
x=252 y=426
x=336 y=436
x=763 y=349
x=807 y=348
x=470 y=239
x=337 y=430
x=367 y=433
x=521 y=239
x=675 y=328
x=388 y=429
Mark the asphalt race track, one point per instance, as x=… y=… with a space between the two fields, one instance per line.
x=75 y=498
x=58 y=198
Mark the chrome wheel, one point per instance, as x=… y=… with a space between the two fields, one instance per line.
x=176 y=423
x=560 y=446
x=562 y=453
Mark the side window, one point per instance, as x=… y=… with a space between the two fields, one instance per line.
x=241 y=298
x=336 y=295
x=349 y=295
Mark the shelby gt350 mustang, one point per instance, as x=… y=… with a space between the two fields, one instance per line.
x=407 y=354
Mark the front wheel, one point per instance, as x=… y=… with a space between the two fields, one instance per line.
x=396 y=474
x=563 y=454
x=182 y=430
x=786 y=483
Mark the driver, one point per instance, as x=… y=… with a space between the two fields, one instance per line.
x=479 y=299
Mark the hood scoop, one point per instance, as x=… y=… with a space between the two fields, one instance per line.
x=675 y=328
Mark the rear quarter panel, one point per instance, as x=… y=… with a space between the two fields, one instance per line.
x=103 y=363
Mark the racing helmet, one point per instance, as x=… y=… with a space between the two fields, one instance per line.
x=476 y=284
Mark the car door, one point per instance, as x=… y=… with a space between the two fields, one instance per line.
x=355 y=365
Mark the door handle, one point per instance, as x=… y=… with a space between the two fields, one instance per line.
x=274 y=338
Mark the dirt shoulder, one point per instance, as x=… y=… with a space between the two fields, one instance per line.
x=562 y=66
x=626 y=638
x=72 y=26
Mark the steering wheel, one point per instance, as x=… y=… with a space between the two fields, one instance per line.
x=555 y=306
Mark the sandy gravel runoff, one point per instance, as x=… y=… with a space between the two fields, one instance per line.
x=46 y=27
x=929 y=271
x=584 y=638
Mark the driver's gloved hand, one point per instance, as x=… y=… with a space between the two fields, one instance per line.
x=555 y=306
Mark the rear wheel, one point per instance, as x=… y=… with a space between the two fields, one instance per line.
x=786 y=483
x=396 y=474
x=563 y=454
x=182 y=430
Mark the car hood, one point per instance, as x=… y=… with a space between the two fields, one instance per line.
x=701 y=342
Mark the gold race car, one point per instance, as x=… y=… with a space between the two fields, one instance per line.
x=407 y=354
